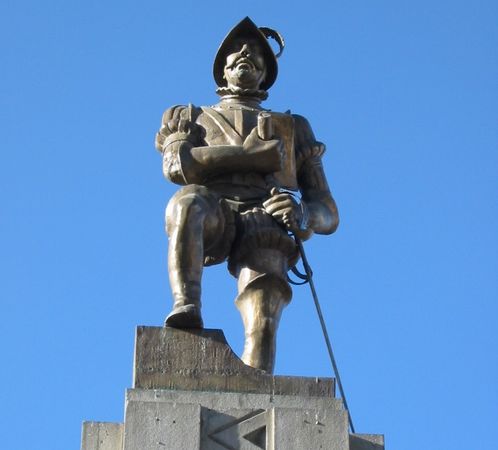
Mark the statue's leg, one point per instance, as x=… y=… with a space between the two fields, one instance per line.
x=260 y=258
x=194 y=221
x=263 y=294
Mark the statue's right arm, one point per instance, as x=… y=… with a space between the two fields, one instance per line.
x=186 y=159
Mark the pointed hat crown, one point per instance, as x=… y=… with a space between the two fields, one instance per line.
x=247 y=29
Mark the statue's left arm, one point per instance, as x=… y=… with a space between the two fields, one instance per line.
x=317 y=211
x=323 y=217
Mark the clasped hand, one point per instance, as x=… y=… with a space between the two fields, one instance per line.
x=284 y=209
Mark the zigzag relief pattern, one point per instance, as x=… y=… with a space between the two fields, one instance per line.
x=246 y=432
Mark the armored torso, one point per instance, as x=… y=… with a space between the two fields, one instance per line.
x=230 y=124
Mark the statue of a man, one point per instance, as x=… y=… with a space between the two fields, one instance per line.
x=239 y=165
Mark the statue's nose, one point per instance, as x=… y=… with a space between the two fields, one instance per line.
x=244 y=50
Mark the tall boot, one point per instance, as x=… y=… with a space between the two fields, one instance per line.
x=185 y=216
x=186 y=287
x=261 y=303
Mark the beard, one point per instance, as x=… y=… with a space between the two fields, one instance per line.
x=244 y=75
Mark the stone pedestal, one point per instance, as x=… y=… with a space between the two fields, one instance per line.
x=190 y=392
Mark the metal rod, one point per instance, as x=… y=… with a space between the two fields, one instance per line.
x=309 y=274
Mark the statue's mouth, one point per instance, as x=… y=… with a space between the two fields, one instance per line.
x=243 y=68
x=244 y=64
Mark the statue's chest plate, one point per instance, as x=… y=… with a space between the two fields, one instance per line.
x=227 y=126
x=232 y=126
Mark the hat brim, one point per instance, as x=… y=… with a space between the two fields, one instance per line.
x=245 y=29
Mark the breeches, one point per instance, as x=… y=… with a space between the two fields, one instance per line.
x=242 y=233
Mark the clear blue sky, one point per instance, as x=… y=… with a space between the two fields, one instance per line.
x=405 y=96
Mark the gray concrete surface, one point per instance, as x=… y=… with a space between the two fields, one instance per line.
x=233 y=421
x=161 y=425
x=102 y=436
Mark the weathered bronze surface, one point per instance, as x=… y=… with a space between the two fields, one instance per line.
x=239 y=165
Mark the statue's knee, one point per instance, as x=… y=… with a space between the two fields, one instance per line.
x=189 y=205
x=194 y=208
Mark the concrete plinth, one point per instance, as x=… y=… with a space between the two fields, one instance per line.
x=102 y=436
x=191 y=392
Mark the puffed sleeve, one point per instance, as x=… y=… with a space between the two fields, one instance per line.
x=178 y=131
x=309 y=154
x=169 y=125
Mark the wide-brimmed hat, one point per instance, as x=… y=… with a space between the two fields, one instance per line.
x=247 y=29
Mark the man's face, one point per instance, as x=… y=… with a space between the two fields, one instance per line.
x=245 y=67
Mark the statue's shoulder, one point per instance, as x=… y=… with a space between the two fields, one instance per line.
x=303 y=130
x=171 y=123
x=300 y=123
x=177 y=112
x=306 y=144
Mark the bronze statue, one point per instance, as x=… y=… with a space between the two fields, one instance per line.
x=239 y=165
